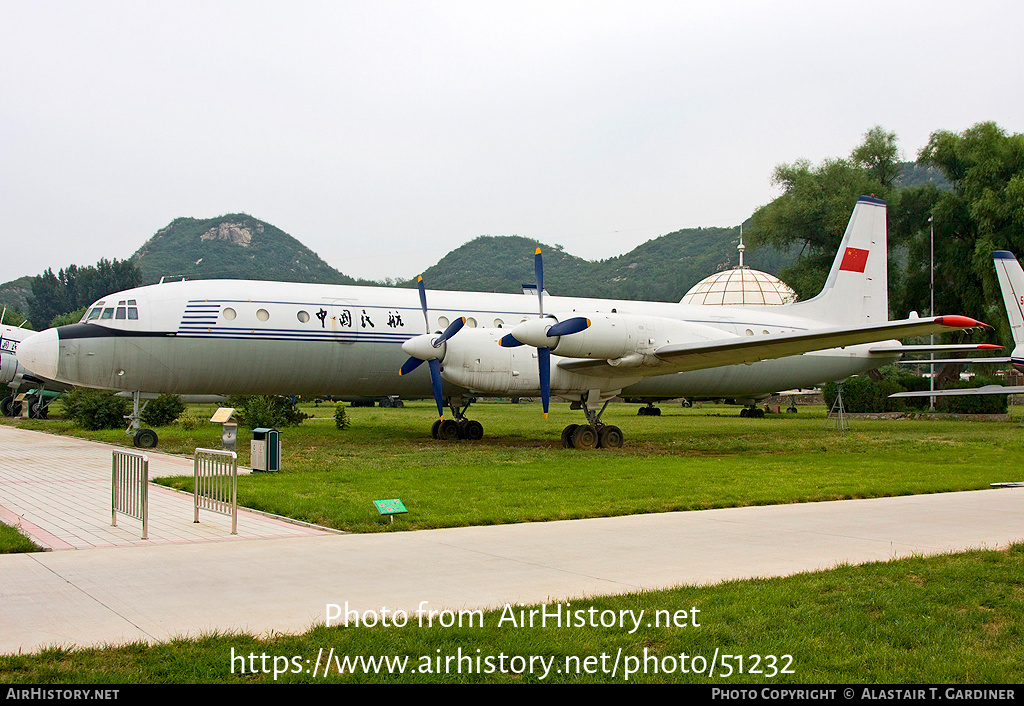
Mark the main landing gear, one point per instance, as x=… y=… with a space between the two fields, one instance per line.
x=460 y=427
x=38 y=406
x=594 y=434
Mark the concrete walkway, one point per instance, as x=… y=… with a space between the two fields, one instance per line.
x=263 y=583
x=57 y=489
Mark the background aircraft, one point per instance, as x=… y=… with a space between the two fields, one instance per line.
x=1011 y=284
x=17 y=378
x=243 y=337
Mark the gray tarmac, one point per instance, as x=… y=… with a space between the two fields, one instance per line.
x=101 y=584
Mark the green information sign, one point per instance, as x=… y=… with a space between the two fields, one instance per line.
x=390 y=507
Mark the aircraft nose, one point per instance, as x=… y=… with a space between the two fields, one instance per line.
x=39 y=353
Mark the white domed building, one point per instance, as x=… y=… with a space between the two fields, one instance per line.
x=741 y=286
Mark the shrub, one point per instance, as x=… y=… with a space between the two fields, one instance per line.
x=861 y=394
x=96 y=409
x=273 y=411
x=162 y=411
x=341 y=420
x=973 y=404
x=188 y=421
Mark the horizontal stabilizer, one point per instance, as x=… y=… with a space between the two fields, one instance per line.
x=958 y=361
x=968 y=392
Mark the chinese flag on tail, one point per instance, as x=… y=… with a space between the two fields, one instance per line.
x=854 y=260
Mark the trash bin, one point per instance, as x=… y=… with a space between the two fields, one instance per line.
x=265 y=450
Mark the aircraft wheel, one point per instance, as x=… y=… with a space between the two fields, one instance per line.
x=472 y=430
x=386 y=403
x=7 y=406
x=36 y=409
x=434 y=429
x=756 y=413
x=744 y=412
x=567 y=436
x=585 y=437
x=145 y=439
x=791 y=410
x=15 y=409
x=687 y=403
x=448 y=431
x=610 y=437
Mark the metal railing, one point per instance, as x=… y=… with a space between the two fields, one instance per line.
x=129 y=484
x=216 y=483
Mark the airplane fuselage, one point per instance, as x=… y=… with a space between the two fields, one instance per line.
x=242 y=337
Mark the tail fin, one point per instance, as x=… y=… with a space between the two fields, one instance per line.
x=1011 y=282
x=857 y=288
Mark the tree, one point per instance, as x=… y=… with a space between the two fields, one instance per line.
x=76 y=287
x=983 y=212
x=879 y=156
x=815 y=206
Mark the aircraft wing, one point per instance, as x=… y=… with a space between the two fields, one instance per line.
x=677 y=358
x=966 y=392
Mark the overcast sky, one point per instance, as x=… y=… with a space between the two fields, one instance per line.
x=384 y=134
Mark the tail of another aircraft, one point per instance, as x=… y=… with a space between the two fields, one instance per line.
x=1011 y=282
x=857 y=288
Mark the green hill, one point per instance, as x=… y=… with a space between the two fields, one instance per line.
x=235 y=246
x=662 y=269
x=239 y=246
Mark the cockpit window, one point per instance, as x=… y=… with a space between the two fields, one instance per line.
x=126 y=310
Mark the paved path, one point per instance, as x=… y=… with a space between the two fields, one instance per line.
x=262 y=583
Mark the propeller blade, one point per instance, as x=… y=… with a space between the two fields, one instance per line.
x=435 y=382
x=544 y=364
x=423 y=301
x=510 y=341
x=453 y=328
x=410 y=365
x=569 y=326
x=538 y=271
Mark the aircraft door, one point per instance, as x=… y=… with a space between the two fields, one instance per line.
x=340 y=319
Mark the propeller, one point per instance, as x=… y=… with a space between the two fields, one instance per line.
x=429 y=348
x=538 y=333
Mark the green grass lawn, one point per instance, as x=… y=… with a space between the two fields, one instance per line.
x=938 y=619
x=951 y=619
x=686 y=459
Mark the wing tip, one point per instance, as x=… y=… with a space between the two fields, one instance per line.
x=956 y=321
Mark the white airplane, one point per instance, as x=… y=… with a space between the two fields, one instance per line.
x=245 y=337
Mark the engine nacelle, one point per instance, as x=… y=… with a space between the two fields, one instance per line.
x=475 y=361
x=629 y=340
